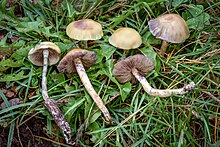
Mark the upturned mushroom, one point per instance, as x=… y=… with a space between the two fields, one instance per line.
x=77 y=60
x=125 y=38
x=170 y=28
x=85 y=29
x=44 y=54
x=135 y=67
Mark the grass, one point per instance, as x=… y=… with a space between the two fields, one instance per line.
x=140 y=120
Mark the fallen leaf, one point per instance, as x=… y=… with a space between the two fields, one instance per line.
x=12 y=102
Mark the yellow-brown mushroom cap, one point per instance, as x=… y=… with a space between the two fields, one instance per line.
x=88 y=58
x=123 y=69
x=35 y=55
x=85 y=29
x=169 y=27
x=125 y=38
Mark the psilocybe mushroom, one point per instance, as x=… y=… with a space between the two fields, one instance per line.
x=135 y=67
x=85 y=29
x=170 y=28
x=44 y=54
x=125 y=38
x=77 y=60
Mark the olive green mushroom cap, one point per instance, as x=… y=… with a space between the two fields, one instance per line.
x=88 y=58
x=35 y=55
x=123 y=69
x=169 y=27
x=85 y=29
x=125 y=38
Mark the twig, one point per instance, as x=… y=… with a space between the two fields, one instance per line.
x=199 y=117
x=211 y=53
x=50 y=140
x=92 y=9
x=212 y=96
x=184 y=47
x=28 y=119
x=215 y=128
x=18 y=133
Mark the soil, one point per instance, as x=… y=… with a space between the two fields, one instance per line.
x=30 y=133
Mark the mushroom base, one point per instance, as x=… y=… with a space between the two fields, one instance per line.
x=59 y=118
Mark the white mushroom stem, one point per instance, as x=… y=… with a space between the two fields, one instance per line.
x=163 y=47
x=86 y=82
x=44 y=73
x=51 y=105
x=159 y=92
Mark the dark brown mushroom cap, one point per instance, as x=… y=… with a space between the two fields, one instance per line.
x=35 y=55
x=88 y=58
x=169 y=27
x=123 y=69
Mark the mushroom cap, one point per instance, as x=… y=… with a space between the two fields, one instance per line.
x=88 y=58
x=169 y=27
x=35 y=55
x=123 y=69
x=85 y=29
x=125 y=38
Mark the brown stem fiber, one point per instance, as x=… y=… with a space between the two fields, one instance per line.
x=86 y=82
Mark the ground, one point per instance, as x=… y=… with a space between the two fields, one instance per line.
x=31 y=133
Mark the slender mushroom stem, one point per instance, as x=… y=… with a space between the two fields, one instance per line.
x=125 y=52
x=158 y=92
x=51 y=105
x=163 y=47
x=44 y=73
x=85 y=43
x=86 y=82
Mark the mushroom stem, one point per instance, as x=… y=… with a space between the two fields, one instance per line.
x=85 y=43
x=158 y=92
x=125 y=52
x=51 y=105
x=86 y=82
x=44 y=73
x=59 y=118
x=163 y=47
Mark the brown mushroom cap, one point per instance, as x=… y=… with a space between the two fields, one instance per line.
x=88 y=58
x=169 y=27
x=35 y=55
x=123 y=69
x=85 y=29
x=125 y=38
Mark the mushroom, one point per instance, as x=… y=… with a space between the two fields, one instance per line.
x=170 y=28
x=77 y=60
x=85 y=29
x=135 y=67
x=125 y=38
x=44 y=54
